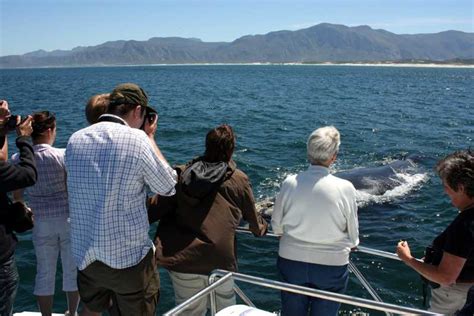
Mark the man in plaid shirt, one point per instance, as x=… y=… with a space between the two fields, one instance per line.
x=109 y=166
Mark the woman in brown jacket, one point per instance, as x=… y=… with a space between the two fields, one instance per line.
x=196 y=232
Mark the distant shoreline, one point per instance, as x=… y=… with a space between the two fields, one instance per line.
x=415 y=65
x=318 y=64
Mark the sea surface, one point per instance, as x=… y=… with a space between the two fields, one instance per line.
x=383 y=114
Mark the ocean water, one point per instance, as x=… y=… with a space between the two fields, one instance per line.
x=383 y=114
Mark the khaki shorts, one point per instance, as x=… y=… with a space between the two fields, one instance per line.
x=186 y=285
x=133 y=291
x=447 y=300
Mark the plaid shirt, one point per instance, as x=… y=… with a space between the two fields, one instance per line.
x=48 y=197
x=109 y=167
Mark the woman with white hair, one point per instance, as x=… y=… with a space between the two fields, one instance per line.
x=315 y=214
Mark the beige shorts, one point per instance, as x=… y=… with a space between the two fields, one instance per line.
x=449 y=299
x=186 y=285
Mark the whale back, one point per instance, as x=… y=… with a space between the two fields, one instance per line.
x=377 y=180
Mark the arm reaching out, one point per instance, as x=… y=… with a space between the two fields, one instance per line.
x=445 y=273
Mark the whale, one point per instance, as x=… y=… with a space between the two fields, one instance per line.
x=371 y=180
x=380 y=179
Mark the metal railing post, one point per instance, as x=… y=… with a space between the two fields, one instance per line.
x=377 y=304
x=212 y=280
x=199 y=295
x=341 y=298
x=365 y=283
x=242 y=295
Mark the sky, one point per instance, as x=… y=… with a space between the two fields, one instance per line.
x=29 y=25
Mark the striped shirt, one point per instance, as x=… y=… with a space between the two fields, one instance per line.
x=110 y=166
x=48 y=198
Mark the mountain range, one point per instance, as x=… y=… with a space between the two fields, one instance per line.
x=320 y=43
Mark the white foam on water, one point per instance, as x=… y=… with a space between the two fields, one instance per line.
x=408 y=183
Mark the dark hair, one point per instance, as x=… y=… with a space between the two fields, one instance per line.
x=42 y=121
x=220 y=143
x=457 y=169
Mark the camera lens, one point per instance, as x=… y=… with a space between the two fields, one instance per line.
x=151 y=117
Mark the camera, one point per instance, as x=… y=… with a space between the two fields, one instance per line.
x=433 y=255
x=150 y=118
x=11 y=122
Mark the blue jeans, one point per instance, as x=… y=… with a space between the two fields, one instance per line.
x=8 y=284
x=317 y=276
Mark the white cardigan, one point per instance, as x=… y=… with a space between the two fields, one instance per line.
x=316 y=215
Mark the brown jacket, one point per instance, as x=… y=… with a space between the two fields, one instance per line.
x=196 y=232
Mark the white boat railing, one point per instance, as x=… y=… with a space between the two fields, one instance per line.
x=365 y=283
x=378 y=253
x=220 y=276
x=209 y=290
x=362 y=249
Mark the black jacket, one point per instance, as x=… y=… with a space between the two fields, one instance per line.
x=14 y=177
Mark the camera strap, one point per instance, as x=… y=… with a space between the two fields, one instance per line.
x=110 y=118
x=424 y=289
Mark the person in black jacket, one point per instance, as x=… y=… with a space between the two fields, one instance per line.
x=12 y=177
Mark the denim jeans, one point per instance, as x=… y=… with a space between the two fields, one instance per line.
x=317 y=276
x=8 y=284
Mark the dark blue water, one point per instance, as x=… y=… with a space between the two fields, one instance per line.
x=383 y=114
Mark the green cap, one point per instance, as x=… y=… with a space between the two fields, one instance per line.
x=130 y=93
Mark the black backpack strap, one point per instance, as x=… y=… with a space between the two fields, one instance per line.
x=424 y=289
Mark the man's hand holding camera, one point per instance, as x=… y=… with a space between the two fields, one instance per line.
x=10 y=122
x=24 y=128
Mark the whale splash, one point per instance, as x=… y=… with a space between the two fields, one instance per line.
x=382 y=184
x=374 y=185
x=407 y=183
